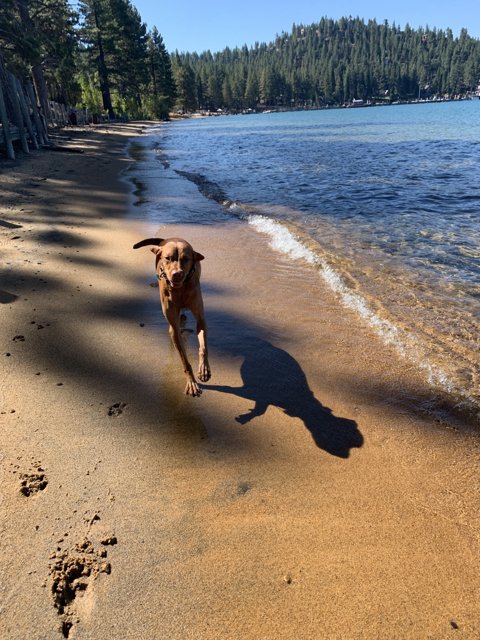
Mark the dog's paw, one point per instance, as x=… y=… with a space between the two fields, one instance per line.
x=204 y=373
x=192 y=389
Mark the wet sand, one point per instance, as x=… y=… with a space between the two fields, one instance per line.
x=306 y=494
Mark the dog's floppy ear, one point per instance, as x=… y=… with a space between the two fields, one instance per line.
x=156 y=250
x=148 y=241
x=197 y=256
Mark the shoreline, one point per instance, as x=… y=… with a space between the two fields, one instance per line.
x=297 y=496
x=439 y=391
x=448 y=401
x=273 y=109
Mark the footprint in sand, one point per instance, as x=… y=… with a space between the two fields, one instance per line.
x=33 y=481
x=72 y=572
x=116 y=409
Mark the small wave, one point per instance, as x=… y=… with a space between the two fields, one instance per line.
x=284 y=241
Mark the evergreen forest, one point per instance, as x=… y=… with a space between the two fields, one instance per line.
x=100 y=56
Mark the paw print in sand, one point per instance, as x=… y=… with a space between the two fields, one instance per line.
x=116 y=409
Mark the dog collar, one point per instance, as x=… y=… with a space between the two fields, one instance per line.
x=162 y=276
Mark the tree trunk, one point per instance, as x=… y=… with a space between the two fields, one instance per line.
x=153 y=75
x=102 y=70
x=36 y=64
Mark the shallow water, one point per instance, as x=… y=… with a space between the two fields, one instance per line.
x=384 y=202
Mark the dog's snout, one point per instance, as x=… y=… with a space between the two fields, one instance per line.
x=177 y=276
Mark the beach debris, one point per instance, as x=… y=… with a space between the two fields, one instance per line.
x=52 y=147
x=94 y=518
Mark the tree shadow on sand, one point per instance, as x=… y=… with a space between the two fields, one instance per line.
x=272 y=377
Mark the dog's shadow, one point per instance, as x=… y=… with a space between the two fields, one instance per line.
x=272 y=377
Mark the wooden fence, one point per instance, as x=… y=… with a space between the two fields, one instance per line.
x=21 y=119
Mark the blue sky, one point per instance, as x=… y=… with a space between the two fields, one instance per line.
x=197 y=25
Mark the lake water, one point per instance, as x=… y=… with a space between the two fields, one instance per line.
x=384 y=202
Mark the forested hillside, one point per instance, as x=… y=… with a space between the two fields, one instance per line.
x=103 y=58
x=332 y=62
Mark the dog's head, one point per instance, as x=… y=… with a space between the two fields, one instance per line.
x=176 y=259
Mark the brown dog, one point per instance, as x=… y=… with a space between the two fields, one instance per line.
x=178 y=273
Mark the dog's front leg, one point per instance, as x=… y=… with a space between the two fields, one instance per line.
x=204 y=372
x=192 y=388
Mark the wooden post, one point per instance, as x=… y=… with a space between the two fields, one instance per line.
x=18 y=112
x=5 y=125
x=42 y=134
x=53 y=112
x=64 y=114
x=26 y=114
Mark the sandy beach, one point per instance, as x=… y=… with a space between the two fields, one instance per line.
x=307 y=494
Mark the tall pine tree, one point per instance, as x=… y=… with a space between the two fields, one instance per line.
x=162 y=87
x=114 y=39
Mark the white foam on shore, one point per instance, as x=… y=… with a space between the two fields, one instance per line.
x=283 y=241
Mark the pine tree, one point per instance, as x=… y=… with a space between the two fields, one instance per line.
x=185 y=82
x=129 y=55
x=252 y=88
x=96 y=34
x=114 y=38
x=162 y=84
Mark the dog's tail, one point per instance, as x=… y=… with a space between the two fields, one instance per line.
x=148 y=241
